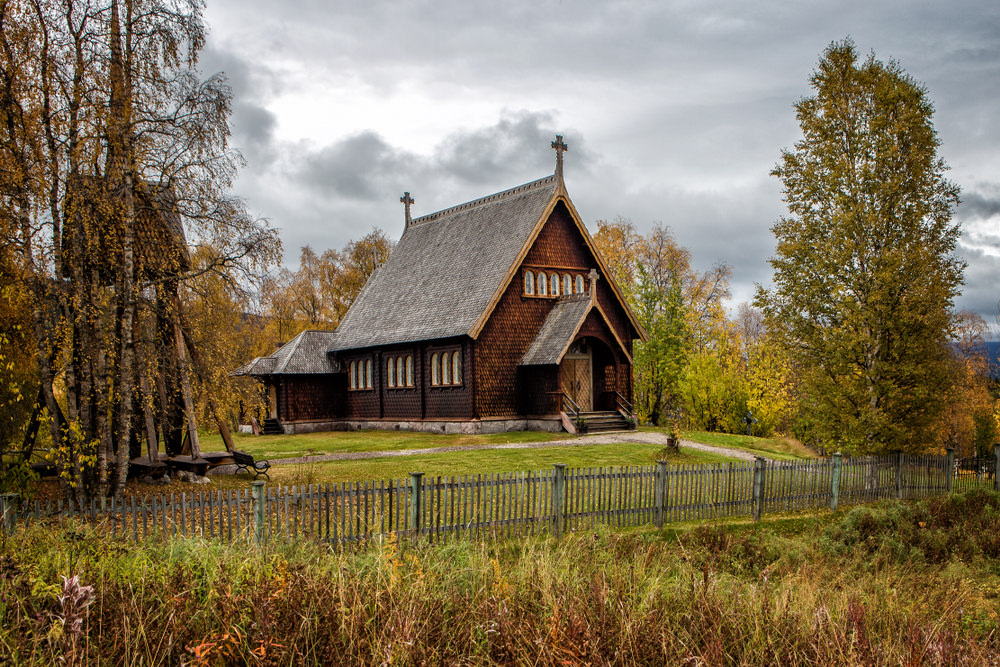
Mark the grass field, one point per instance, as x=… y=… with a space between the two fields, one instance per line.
x=887 y=584
x=450 y=463
x=774 y=448
x=486 y=461
x=333 y=442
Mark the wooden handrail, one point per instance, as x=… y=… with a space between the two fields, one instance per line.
x=623 y=404
x=575 y=408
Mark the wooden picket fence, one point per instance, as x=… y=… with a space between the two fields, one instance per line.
x=498 y=505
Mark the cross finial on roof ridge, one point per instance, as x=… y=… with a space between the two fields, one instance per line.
x=406 y=199
x=560 y=147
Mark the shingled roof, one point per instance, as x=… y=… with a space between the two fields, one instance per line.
x=557 y=332
x=306 y=354
x=444 y=272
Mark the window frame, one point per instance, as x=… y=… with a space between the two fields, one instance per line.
x=541 y=286
x=450 y=357
x=580 y=286
x=529 y=283
x=360 y=374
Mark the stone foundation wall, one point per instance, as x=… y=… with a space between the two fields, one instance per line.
x=550 y=424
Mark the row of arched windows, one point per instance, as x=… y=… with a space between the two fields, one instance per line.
x=361 y=374
x=446 y=368
x=552 y=284
x=399 y=371
x=446 y=371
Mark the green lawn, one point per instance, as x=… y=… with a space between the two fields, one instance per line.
x=775 y=448
x=484 y=461
x=462 y=462
x=333 y=442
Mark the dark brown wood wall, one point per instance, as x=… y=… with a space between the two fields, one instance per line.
x=516 y=320
x=400 y=403
x=362 y=403
x=560 y=245
x=539 y=389
x=422 y=401
x=449 y=402
x=310 y=397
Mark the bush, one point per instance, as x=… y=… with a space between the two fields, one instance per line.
x=963 y=525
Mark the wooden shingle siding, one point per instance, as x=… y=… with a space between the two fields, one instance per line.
x=516 y=320
x=364 y=403
x=503 y=341
x=559 y=245
x=311 y=397
x=401 y=402
x=452 y=402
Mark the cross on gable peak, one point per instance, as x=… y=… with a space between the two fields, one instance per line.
x=407 y=200
x=560 y=147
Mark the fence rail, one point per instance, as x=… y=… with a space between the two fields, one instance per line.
x=520 y=503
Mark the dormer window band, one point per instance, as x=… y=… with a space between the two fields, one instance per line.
x=542 y=283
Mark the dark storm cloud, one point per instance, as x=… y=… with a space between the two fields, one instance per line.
x=982 y=289
x=253 y=125
x=366 y=167
x=357 y=167
x=978 y=205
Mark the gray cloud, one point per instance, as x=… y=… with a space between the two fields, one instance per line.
x=674 y=111
x=977 y=205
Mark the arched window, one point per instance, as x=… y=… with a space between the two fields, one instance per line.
x=529 y=282
x=368 y=374
x=354 y=375
x=456 y=367
x=390 y=372
x=409 y=370
x=435 y=370
x=554 y=284
x=445 y=369
x=542 y=285
x=579 y=284
x=400 y=374
x=567 y=284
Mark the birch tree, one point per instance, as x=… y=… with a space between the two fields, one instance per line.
x=865 y=270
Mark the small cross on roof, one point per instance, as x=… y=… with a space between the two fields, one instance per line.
x=406 y=199
x=560 y=148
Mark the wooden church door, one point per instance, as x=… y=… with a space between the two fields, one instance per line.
x=576 y=377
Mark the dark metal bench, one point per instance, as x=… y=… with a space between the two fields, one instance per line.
x=247 y=463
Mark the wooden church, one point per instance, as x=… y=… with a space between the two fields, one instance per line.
x=493 y=315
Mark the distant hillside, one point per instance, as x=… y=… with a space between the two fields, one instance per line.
x=993 y=347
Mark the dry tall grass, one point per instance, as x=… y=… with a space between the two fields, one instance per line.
x=892 y=584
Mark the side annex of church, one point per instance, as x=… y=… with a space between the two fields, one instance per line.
x=493 y=315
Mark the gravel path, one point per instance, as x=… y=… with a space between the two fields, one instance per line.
x=597 y=439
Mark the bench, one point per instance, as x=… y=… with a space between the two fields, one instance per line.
x=247 y=463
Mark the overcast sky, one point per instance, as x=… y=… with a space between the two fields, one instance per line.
x=674 y=111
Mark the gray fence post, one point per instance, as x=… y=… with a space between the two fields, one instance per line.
x=8 y=511
x=416 y=502
x=661 y=492
x=996 y=466
x=259 y=510
x=758 y=486
x=899 y=475
x=949 y=479
x=559 y=499
x=838 y=461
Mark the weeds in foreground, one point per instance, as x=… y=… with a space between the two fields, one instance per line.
x=859 y=587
